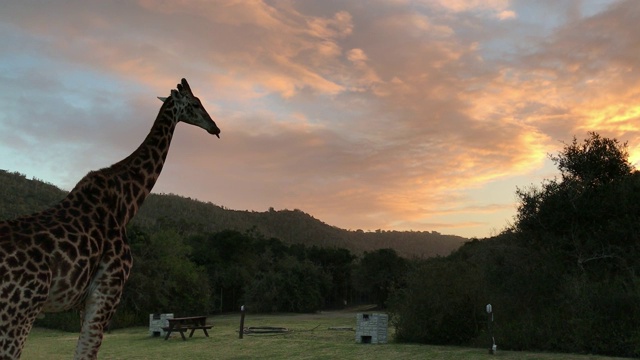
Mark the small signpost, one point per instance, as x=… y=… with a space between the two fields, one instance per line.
x=493 y=348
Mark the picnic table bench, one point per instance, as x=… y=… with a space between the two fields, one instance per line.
x=183 y=324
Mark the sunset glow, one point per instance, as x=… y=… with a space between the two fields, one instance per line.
x=395 y=115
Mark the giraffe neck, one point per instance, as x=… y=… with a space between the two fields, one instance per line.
x=122 y=188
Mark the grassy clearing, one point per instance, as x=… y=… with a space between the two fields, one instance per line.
x=309 y=338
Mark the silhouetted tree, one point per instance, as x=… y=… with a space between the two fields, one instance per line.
x=379 y=273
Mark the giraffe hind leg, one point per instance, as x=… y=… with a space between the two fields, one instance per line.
x=96 y=315
x=99 y=307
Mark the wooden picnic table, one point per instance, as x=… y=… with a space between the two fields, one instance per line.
x=183 y=324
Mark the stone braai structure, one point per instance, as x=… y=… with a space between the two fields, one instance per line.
x=371 y=328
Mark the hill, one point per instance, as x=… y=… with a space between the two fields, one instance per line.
x=20 y=196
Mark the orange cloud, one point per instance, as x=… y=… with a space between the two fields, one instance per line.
x=498 y=8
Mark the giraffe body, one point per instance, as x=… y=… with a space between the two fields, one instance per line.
x=75 y=255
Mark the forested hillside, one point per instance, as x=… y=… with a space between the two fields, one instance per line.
x=20 y=196
x=194 y=258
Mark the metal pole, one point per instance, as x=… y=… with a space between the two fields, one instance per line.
x=492 y=348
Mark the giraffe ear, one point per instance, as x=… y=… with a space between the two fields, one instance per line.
x=163 y=99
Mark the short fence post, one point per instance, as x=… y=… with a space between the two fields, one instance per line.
x=241 y=321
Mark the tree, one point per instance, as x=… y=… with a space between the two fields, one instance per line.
x=563 y=278
x=164 y=279
x=290 y=285
x=597 y=161
x=336 y=263
x=379 y=273
x=589 y=220
x=230 y=259
x=591 y=214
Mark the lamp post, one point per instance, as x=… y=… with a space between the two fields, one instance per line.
x=492 y=349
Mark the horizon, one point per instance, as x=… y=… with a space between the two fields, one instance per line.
x=406 y=116
x=223 y=207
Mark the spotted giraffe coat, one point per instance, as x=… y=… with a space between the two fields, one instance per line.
x=75 y=255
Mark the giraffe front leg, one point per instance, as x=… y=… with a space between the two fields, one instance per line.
x=24 y=294
x=13 y=332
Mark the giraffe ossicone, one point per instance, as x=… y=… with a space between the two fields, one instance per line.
x=75 y=255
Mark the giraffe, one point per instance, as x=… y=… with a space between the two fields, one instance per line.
x=75 y=255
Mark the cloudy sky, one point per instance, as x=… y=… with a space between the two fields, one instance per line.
x=397 y=114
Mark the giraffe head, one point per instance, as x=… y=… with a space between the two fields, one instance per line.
x=189 y=109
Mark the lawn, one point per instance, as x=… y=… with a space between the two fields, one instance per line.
x=309 y=337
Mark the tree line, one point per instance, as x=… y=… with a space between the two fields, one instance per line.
x=219 y=272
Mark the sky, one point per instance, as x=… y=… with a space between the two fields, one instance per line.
x=421 y=115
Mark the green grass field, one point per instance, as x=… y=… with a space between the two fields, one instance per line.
x=309 y=338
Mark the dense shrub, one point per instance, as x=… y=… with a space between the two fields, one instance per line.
x=441 y=307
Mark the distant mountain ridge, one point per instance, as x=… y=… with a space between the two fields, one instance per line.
x=22 y=196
